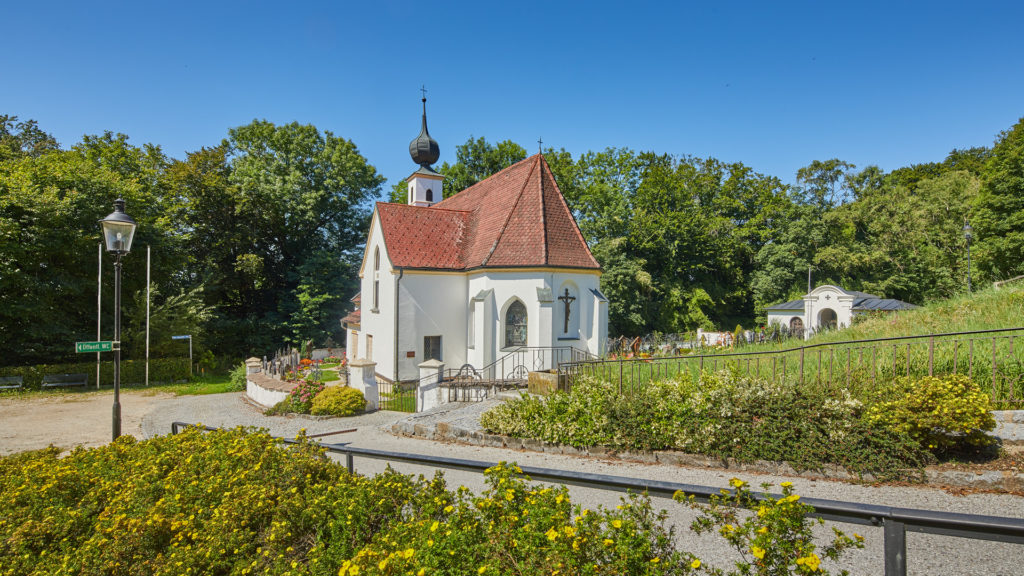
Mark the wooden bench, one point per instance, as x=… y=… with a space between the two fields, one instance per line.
x=65 y=380
x=10 y=382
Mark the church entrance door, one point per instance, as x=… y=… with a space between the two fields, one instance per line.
x=796 y=327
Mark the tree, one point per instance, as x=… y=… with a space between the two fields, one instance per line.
x=50 y=206
x=182 y=313
x=999 y=212
x=300 y=217
x=476 y=160
x=20 y=139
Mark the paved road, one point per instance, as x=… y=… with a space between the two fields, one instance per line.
x=928 y=555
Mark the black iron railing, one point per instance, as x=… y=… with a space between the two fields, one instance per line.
x=399 y=396
x=470 y=384
x=992 y=358
x=895 y=522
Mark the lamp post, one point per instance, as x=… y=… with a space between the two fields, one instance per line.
x=968 y=236
x=118 y=230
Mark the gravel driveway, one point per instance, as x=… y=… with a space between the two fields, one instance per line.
x=87 y=422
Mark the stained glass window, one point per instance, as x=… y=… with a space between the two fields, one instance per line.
x=515 y=325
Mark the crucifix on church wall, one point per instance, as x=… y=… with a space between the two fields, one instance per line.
x=568 y=301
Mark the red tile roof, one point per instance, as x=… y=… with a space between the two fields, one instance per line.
x=352 y=319
x=515 y=218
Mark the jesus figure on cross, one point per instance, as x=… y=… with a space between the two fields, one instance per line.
x=568 y=300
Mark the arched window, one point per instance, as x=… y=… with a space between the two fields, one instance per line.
x=430 y=195
x=515 y=325
x=376 y=279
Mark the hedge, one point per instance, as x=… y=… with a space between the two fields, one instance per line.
x=133 y=372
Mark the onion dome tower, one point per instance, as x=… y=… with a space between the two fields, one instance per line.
x=425 y=185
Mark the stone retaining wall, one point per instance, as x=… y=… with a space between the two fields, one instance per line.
x=266 y=391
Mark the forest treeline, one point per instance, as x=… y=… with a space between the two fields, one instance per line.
x=256 y=241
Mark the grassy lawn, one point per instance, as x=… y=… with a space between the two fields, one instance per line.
x=403 y=402
x=204 y=384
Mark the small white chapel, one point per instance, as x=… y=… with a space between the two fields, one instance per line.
x=828 y=307
x=501 y=266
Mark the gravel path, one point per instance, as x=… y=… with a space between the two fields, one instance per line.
x=70 y=419
x=927 y=555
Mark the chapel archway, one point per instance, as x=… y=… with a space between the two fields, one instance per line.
x=827 y=319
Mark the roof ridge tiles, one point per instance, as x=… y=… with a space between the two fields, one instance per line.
x=435 y=208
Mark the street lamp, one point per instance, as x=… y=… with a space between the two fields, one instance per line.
x=968 y=235
x=118 y=230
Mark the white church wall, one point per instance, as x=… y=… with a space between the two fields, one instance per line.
x=588 y=318
x=784 y=318
x=431 y=304
x=378 y=325
x=545 y=320
x=506 y=286
x=480 y=350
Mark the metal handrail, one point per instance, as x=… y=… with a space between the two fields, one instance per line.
x=553 y=350
x=895 y=521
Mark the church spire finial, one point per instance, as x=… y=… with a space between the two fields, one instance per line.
x=424 y=149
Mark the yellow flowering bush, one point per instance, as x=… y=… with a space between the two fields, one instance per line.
x=774 y=541
x=239 y=502
x=942 y=413
x=338 y=401
x=232 y=502
x=517 y=527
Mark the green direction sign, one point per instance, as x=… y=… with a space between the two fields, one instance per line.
x=102 y=346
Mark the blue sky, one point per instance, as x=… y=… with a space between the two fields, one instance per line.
x=774 y=85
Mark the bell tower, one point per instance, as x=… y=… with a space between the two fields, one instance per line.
x=425 y=185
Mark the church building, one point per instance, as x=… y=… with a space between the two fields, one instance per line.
x=498 y=267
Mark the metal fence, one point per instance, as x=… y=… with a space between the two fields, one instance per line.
x=895 y=522
x=398 y=396
x=470 y=384
x=992 y=358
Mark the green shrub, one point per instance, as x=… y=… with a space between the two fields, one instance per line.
x=133 y=372
x=238 y=377
x=338 y=401
x=942 y=413
x=722 y=415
